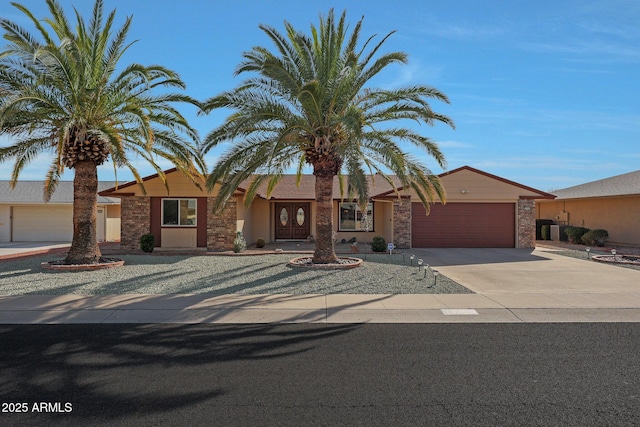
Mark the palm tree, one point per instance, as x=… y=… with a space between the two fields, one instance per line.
x=67 y=96
x=308 y=104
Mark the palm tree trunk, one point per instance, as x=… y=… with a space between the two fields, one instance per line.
x=84 y=248
x=324 y=251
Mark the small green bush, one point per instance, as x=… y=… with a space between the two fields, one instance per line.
x=575 y=233
x=597 y=237
x=239 y=244
x=260 y=243
x=544 y=231
x=378 y=244
x=147 y=242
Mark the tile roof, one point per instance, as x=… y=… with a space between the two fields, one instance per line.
x=620 y=185
x=287 y=188
x=32 y=192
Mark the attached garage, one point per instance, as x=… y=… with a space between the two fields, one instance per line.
x=25 y=217
x=464 y=225
x=42 y=223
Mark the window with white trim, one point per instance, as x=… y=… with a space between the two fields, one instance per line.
x=179 y=212
x=352 y=218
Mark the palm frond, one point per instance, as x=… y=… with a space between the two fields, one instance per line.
x=308 y=101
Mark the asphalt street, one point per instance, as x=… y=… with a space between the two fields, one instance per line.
x=318 y=374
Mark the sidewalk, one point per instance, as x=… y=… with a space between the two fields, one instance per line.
x=469 y=308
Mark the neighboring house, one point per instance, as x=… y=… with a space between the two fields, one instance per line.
x=24 y=217
x=482 y=210
x=612 y=204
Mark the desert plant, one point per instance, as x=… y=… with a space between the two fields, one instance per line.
x=378 y=244
x=147 y=242
x=260 y=243
x=239 y=244
x=597 y=237
x=65 y=92
x=311 y=102
x=544 y=232
x=575 y=233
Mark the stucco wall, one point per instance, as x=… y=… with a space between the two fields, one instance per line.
x=243 y=221
x=469 y=186
x=620 y=216
x=179 y=186
x=257 y=221
x=5 y=223
x=113 y=223
x=179 y=237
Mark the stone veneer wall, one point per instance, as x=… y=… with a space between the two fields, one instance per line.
x=135 y=221
x=221 y=228
x=526 y=224
x=402 y=223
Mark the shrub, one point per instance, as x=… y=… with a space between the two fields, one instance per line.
x=378 y=244
x=239 y=244
x=596 y=237
x=260 y=243
x=575 y=233
x=147 y=242
x=544 y=232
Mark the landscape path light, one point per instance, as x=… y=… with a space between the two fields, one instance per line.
x=588 y=252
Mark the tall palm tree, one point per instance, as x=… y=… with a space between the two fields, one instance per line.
x=308 y=103
x=67 y=96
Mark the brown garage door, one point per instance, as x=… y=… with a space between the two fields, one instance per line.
x=464 y=225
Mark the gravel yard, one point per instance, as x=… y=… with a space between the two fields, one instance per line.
x=216 y=275
x=583 y=255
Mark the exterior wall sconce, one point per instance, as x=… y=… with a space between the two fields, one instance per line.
x=463 y=191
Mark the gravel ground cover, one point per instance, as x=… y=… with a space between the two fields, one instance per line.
x=583 y=255
x=262 y=274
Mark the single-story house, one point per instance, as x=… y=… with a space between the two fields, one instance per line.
x=482 y=210
x=25 y=217
x=612 y=204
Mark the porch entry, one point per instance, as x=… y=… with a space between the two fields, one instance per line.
x=293 y=221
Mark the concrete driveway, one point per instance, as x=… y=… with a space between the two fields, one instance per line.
x=17 y=249
x=525 y=278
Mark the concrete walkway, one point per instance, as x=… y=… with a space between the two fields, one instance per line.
x=41 y=309
x=510 y=285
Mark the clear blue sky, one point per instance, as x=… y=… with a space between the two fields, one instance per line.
x=544 y=93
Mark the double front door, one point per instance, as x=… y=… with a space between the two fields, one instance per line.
x=293 y=221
